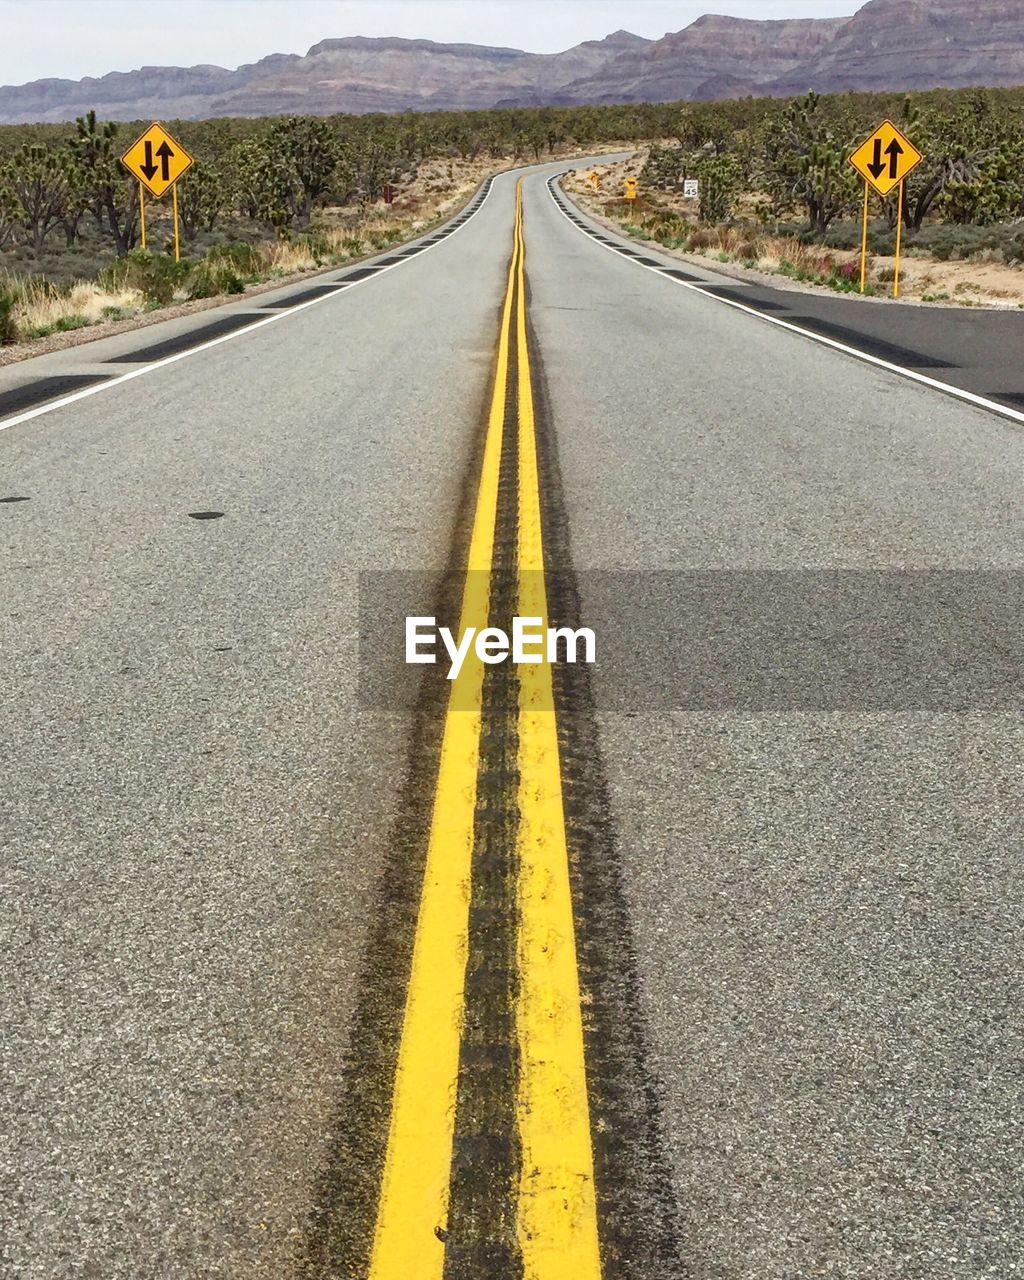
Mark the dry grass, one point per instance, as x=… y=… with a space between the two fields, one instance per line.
x=666 y=219
x=43 y=309
x=283 y=257
x=744 y=244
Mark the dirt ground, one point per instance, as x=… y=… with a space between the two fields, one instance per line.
x=923 y=279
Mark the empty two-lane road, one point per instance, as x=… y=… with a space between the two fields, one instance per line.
x=560 y=979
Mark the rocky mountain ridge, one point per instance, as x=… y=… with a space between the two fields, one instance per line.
x=887 y=44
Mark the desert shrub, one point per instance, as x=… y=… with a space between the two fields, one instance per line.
x=317 y=245
x=842 y=235
x=211 y=278
x=242 y=259
x=1014 y=250
x=9 y=299
x=882 y=241
x=951 y=241
x=666 y=226
x=64 y=324
x=845 y=277
x=699 y=239
x=154 y=275
x=227 y=269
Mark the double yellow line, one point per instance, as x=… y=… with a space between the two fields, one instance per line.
x=556 y=1212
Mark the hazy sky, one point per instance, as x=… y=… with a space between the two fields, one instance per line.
x=75 y=38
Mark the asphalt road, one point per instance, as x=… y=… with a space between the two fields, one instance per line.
x=800 y=925
x=826 y=907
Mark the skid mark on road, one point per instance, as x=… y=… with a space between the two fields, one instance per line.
x=412 y=1220
x=30 y=394
x=553 y=1207
x=499 y=1117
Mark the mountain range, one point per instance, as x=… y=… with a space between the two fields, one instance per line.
x=886 y=45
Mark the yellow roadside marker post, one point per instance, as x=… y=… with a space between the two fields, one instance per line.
x=884 y=160
x=630 y=193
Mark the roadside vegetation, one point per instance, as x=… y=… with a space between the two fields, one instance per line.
x=778 y=194
x=266 y=199
x=269 y=198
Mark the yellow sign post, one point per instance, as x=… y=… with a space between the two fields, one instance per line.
x=884 y=161
x=594 y=179
x=631 y=188
x=157 y=161
x=864 y=242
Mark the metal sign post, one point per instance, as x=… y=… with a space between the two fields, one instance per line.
x=864 y=242
x=899 y=242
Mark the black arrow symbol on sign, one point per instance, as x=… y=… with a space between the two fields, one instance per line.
x=165 y=152
x=894 y=151
x=876 y=166
x=149 y=168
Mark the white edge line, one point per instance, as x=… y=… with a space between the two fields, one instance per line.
x=52 y=405
x=968 y=396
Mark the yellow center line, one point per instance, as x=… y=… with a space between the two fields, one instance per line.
x=557 y=1211
x=413 y=1206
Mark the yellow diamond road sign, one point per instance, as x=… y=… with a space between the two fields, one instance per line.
x=886 y=158
x=631 y=188
x=156 y=160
